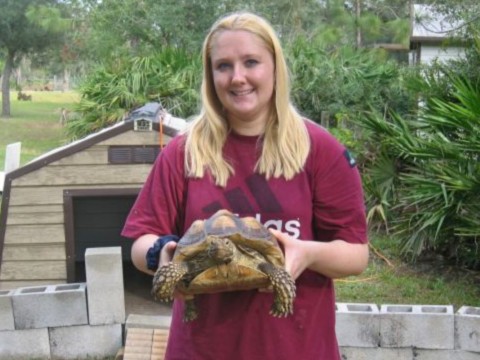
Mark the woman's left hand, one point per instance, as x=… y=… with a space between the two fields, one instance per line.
x=295 y=253
x=333 y=259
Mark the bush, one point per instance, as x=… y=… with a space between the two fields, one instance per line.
x=343 y=81
x=424 y=173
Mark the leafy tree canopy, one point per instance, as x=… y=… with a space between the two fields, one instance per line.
x=137 y=27
x=26 y=27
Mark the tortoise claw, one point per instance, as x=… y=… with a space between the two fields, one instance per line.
x=190 y=312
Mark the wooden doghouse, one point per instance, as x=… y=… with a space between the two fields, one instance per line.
x=75 y=197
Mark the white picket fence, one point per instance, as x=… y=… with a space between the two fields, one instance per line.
x=12 y=161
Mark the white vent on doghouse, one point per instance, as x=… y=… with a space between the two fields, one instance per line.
x=142 y=124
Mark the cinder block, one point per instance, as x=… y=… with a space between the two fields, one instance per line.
x=444 y=355
x=467 y=329
x=355 y=353
x=106 y=297
x=24 y=344
x=6 y=310
x=85 y=341
x=357 y=325
x=420 y=326
x=48 y=306
x=362 y=353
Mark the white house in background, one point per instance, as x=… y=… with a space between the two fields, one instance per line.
x=432 y=36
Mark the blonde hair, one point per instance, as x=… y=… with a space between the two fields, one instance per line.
x=285 y=142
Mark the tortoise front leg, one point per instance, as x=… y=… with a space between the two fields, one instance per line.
x=283 y=289
x=165 y=280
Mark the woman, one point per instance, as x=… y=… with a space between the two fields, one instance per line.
x=250 y=151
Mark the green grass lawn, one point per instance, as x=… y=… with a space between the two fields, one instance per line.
x=36 y=123
x=388 y=280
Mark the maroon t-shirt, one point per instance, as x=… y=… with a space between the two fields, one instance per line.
x=323 y=203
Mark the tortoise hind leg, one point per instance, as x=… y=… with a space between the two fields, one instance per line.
x=166 y=279
x=190 y=311
x=283 y=288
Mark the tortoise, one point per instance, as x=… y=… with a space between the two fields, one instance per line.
x=226 y=253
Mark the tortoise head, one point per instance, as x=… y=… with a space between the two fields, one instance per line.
x=220 y=249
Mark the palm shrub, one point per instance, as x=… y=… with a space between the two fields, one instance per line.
x=432 y=183
x=382 y=161
x=171 y=77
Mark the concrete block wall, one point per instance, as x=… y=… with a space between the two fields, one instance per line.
x=67 y=321
x=408 y=332
x=393 y=332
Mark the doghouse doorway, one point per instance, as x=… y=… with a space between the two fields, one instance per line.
x=95 y=218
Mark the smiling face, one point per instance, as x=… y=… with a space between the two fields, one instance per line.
x=243 y=76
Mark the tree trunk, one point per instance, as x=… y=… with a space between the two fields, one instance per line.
x=7 y=70
x=358 y=13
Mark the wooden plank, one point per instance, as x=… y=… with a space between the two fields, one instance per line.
x=85 y=175
x=34 y=252
x=135 y=138
x=34 y=234
x=36 y=196
x=35 y=218
x=138 y=344
x=24 y=209
x=160 y=341
x=33 y=270
x=94 y=155
x=46 y=195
